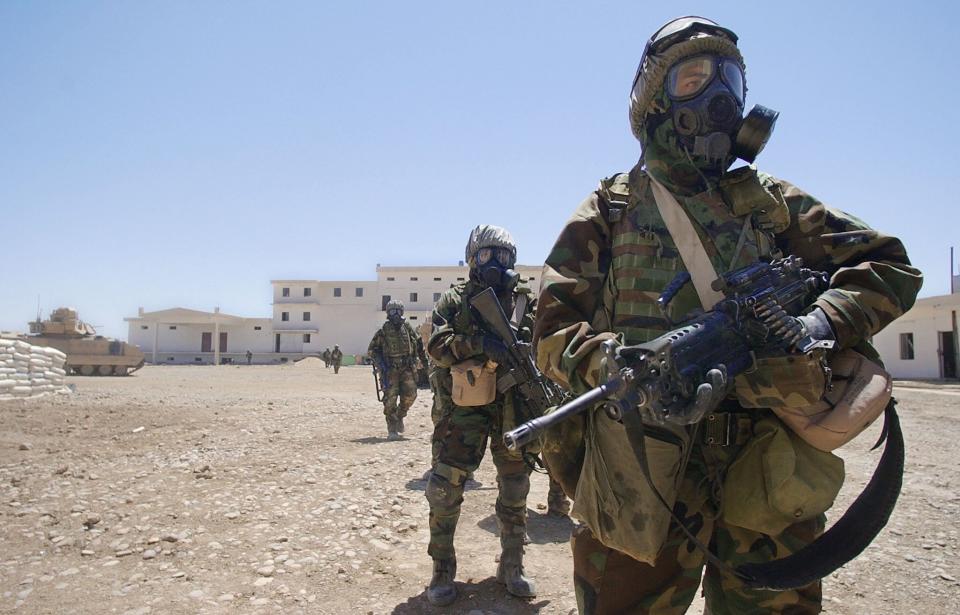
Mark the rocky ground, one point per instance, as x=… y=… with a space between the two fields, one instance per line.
x=273 y=489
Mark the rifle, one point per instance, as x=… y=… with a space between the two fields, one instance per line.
x=539 y=392
x=380 y=377
x=664 y=373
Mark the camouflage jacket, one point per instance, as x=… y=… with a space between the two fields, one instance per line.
x=396 y=343
x=457 y=334
x=615 y=256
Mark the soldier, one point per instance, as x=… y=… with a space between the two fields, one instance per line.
x=395 y=350
x=615 y=256
x=326 y=357
x=249 y=357
x=336 y=356
x=472 y=411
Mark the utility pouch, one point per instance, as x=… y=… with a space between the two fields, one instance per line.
x=614 y=499
x=860 y=390
x=786 y=381
x=778 y=479
x=474 y=382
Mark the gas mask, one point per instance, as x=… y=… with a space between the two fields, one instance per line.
x=706 y=95
x=395 y=312
x=493 y=268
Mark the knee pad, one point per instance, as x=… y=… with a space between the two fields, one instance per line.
x=441 y=494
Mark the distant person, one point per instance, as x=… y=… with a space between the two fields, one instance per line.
x=249 y=357
x=395 y=350
x=326 y=357
x=336 y=357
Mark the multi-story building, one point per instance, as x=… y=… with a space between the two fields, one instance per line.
x=308 y=316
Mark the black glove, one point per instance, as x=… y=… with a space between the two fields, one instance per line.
x=802 y=333
x=496 y=350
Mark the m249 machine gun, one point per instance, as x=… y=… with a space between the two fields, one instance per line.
x=664 y=374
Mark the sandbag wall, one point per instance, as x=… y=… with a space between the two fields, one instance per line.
x=30 y=371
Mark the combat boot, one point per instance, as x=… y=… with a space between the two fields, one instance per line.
x=558 y=505
x=392 y=429
x=442 y=591
x=399 y=424
x=510 y=573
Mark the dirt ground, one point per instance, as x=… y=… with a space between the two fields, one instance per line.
x=273 y=489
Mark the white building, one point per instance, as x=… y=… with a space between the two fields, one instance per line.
x=308 y=316
x=923 y=342
x=179 y=335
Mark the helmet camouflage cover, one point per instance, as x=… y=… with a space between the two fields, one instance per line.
x=489 y=236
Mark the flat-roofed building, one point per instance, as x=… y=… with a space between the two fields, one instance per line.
x=922 y=344
x=180 y=335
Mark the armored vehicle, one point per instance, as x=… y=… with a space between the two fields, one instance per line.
x=88 y=354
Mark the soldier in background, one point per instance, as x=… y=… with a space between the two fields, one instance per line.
x=336 y=357
x=326 y=357
x=477 y=412
x=249 y=357
x=395 y=349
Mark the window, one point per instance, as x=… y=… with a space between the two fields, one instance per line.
x=414 y=279
x=358 y=292
x=144 y=327
x=459 y=279
x=257 y=328
x=906 y=346
x=336 y=292
x=436 y=297
x=307 y=292
x=306 y=316
x=173 y=327
x=284 y=316
x=413 y=297
x=306 y=338
x=285 y=292
x=384 y=300
x=169 y=358
x=436 y=279
x=413 y=318
x=390 y=279
x=197 y=359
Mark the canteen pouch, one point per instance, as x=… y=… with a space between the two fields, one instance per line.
x=612 y=496
x=860 y=390
x=778 y=479
x=474 y=382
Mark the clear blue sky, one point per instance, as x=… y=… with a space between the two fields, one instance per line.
x=164 y=154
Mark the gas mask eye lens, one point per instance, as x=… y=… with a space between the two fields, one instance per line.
x=505 y=257
x=484 y=255
x=690 y=77
x=733 y=77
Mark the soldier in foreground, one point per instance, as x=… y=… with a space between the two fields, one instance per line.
x=601 y=282
x=336 y=357
x=395 y=350
x=466 y=356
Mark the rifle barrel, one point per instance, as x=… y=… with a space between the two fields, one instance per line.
x=525 y=433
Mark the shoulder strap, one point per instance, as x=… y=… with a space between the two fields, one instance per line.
x=688 y=243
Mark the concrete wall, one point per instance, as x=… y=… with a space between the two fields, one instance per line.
x=182 y=344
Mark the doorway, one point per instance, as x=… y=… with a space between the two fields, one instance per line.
x=223 y=341
x=206 y=341
x=276 y=344
x=948 y=355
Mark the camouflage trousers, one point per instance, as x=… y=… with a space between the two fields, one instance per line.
x=461 y=437
x=400 y=394
x=440 y=385
x=608 y=581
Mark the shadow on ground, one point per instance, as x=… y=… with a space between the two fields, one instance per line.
x=486 y=595
x=376 y=440
x=542 y=529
